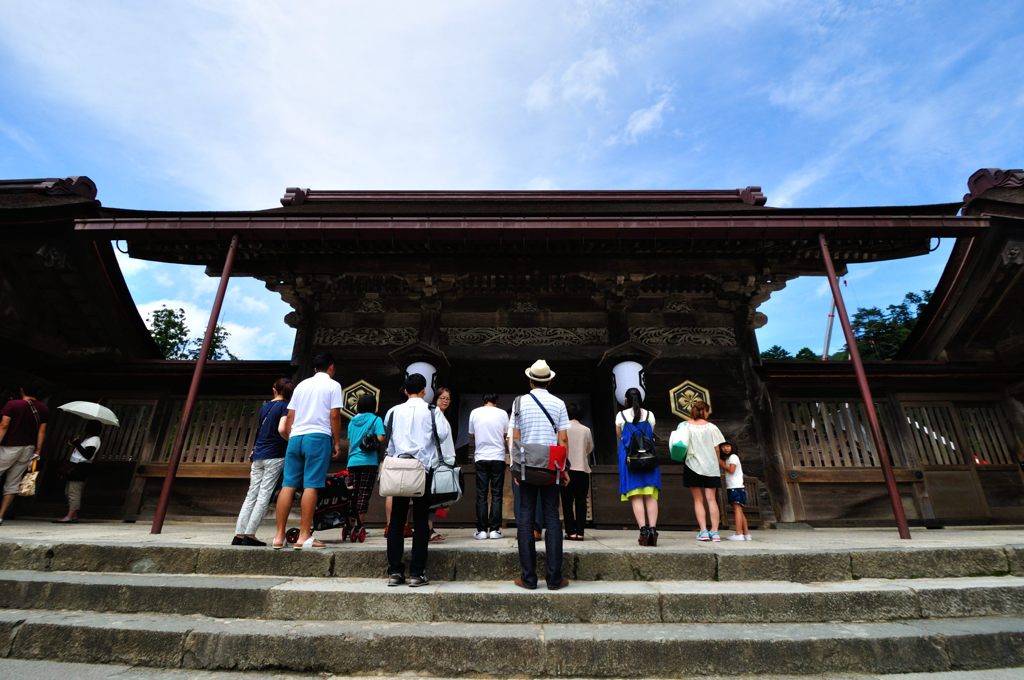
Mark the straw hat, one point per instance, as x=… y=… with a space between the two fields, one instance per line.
x=540 y=372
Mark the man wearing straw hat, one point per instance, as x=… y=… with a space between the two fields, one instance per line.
x=22 y=430
x=540 y=418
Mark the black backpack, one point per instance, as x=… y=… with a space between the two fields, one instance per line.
x=640 y=455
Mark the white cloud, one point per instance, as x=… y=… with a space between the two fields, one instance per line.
x=585 y=79
x=19 y=137
x=129 y=265
x=646 y=120
x=541 y=184
x=163 y=279
x=540 y=93
x=250 y=304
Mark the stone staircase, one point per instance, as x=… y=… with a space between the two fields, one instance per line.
x=672 y=611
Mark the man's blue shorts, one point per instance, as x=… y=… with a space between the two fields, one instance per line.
x=306 y=461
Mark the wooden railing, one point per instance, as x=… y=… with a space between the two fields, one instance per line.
x=833 y=434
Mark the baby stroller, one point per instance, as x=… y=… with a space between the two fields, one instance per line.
x=332 y=508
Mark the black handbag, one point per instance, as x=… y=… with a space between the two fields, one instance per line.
x=369 y=443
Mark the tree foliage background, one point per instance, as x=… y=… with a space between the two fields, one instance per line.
x=171 y=333
x=880 y=333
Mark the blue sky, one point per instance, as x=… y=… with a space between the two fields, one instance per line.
x=221 y=105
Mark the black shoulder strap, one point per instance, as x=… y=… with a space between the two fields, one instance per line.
x=387 y=431
x=83 y=454
x=35 y=413
x=626 y=421
x=550 y=419
x=437 y=439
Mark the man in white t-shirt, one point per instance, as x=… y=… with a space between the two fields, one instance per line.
x=313 y=431
x=488 y=425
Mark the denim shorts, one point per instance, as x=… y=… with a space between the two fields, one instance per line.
x=737 y=497
x=306 y=461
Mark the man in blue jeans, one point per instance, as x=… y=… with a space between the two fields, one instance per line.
x=313 y=430
x=541 y=418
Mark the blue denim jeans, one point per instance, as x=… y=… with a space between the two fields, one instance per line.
x=538 y=512
x=525 y=516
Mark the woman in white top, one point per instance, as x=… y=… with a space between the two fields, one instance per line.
x=639 y=487
x=79 y=465
x=443 y=400
x=701 y=472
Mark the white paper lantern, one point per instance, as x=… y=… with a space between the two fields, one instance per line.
x=628 y=374
x=428 y=371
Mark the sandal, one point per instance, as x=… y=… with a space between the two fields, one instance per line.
x=310 y=543
x=436 y=537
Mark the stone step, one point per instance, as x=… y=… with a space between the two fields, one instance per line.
x=326 y=599
x=676 y=559
x=26 y=669
x=545 y=650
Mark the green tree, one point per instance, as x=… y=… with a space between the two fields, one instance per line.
x=880 y=334
x=171 y=333
x=807 y=354
x=218 y=346
x=776 y=352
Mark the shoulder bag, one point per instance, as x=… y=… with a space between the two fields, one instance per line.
x=401 y=475
x=446 y=482
x=679 y=443
x=369 y=442
x=538 y=464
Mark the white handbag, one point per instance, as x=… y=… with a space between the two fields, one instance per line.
x=402 y=476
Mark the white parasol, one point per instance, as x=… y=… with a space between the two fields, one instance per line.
x=91 y=411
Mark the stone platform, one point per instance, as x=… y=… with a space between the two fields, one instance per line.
x=790 y=602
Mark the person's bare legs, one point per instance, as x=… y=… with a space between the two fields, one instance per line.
x=309 y=497
x=710 y=495
x=6 y=503
x=742 y=527
x=637 y=504
x=698 y=507
x=284 y=508
x=651 y=507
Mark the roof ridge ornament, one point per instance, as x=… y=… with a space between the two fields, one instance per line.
x=294 y=196
x=987 y=179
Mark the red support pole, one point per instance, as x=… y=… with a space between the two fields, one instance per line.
x=193 y=391
x=865 y=393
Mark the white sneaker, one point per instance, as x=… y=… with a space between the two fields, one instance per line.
x=746 y=537
x=736 y=537
x=496 y=534
x=480 y=535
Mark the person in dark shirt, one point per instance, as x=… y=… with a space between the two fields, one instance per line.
x=267 y=464
x=22 y=431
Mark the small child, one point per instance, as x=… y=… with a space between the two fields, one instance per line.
x=737 y=495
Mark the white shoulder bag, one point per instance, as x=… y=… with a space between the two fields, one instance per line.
x=401 y=475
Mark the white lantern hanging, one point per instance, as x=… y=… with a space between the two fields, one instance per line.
x=628 y=374
x=428 y=371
